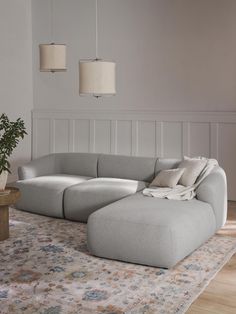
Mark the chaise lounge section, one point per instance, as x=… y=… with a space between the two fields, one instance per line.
x=150 y=231
x=106 y=192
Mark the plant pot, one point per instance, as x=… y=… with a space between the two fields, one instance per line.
x=3 y=180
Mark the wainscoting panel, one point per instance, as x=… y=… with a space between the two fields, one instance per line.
x=139 y=133
x=81 y=135
x=199 y=139
x=226 y=153
x=172 y=139
x=146 y=138
x=123 y=137
x=61 y=135
x=102 y=136
x=41 y=137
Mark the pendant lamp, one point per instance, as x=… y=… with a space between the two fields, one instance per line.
x=52 y=56
x=96 y=76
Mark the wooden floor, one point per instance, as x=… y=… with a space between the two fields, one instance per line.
x=220 y=296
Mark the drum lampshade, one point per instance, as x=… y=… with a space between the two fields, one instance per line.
x=97 y=77
x=52 y=57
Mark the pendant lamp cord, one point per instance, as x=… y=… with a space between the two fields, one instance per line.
x=52 y=35
x=96 y=26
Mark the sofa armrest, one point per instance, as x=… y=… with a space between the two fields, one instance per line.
x=38 y=167
x=213 y=190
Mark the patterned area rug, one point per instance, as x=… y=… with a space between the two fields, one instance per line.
x=45 y=268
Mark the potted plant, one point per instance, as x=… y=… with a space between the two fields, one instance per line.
x=10 y=135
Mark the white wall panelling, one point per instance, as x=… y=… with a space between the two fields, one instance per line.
x=80 y=135
x=139 y=133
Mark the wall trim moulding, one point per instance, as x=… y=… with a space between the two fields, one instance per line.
x=139 y=133
x=208 y=116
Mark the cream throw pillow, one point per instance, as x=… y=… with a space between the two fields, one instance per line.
x=168 y=178
x=193 y=168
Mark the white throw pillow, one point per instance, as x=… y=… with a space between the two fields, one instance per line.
x=168 y=178
x=193 y=168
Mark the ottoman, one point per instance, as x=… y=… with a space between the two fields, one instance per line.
x=150 y=231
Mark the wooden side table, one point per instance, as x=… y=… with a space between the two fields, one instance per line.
x=5 y=201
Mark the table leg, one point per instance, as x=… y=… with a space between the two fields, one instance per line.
x=4 y=222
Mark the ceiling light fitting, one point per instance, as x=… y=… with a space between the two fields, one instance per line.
x=96 y=76
x=52 y=56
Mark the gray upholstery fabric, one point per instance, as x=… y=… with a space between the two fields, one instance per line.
x=126 y=167
x=45 y=165
x=83 y=199
x=44 y=195
x=213 y=190
x=150 y=231
x=83 y=164
x=122 y=226
x=166 y=163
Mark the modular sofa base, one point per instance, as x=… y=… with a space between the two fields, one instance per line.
x=154 y=232
x=123 y=224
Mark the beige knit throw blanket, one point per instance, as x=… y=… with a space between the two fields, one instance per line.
x=180 y=192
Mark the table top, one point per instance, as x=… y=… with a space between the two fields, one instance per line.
x=11 y=198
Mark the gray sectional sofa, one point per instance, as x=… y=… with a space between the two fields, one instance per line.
x=106 y=192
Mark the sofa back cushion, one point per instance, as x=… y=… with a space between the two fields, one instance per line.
x=166 y=163
x=83 y=164
x=126 y=167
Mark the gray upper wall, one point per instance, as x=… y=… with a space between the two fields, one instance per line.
x=16 y=99
x=170 y=54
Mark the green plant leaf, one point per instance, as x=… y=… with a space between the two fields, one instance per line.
x=11 y=132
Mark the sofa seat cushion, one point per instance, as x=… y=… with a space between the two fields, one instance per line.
x=44 y=195
x=83 y=199
x=150 y=231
